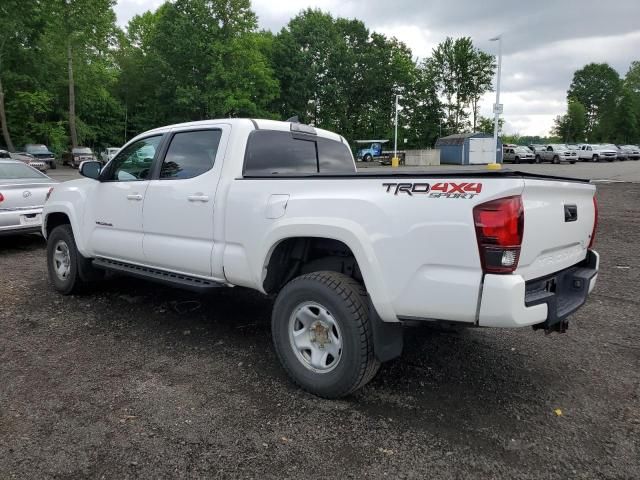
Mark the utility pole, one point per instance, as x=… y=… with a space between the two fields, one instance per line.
x=394 y=160
x=497 y=108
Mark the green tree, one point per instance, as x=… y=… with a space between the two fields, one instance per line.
x=336 y=74
x=486 y=125
x=463 y=74
x=596 y=86
x=626 y=121
x=571 y=126
x=84 y=29
x=195 y=59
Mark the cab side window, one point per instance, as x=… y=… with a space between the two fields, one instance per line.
x=190 y=154
x=132 y=163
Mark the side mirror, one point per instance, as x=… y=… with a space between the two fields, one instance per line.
x=90 y=169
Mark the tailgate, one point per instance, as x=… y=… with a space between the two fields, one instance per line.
x=558 y=223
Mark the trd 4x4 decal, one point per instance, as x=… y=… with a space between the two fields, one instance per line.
x=439 y=190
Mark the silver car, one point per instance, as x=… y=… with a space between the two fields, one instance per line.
x=23 y=191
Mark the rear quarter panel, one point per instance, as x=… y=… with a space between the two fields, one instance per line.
x=418 y=253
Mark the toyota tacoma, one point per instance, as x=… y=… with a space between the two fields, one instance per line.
x=350 y=258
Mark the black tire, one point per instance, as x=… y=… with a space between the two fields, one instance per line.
x=572 y=162
x=595 y=158
x=53 y=165
x=556 y=160
x=516 y=160
x=346 y=301
x=367 y=158
x=538 y=159
x=80 y=273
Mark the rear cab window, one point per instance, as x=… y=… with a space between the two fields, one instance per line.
x=275 y=152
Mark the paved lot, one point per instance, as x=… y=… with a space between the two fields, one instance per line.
x=138 y=380
x=628 y=171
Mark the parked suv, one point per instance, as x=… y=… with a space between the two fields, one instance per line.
x=76 y=156
x=41 y=152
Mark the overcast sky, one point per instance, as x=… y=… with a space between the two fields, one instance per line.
x=544 y=41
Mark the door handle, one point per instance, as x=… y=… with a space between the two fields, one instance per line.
x=134 y=196
x=198 y=198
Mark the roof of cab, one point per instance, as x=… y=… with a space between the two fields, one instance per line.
x=262 y=124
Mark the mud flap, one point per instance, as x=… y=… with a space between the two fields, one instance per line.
x=387 y=336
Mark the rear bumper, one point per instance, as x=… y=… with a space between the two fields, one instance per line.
x=510 y=301
x=20 y=221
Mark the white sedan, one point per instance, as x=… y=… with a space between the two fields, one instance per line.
x=23 y=191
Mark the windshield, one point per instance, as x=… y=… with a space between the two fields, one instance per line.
x=37 y=149
x=559 y=147
x=14 y=171
x=610 y=146
x=82 y=150
x=523 y=150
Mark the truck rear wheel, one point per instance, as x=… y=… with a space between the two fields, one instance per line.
x=556 y=159
x=322 y=334
x=538 y=159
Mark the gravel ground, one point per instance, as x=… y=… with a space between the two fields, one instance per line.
x=138 y=380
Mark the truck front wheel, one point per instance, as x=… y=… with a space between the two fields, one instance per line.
x=322 y=334
x=367 y=157
x=69 y=271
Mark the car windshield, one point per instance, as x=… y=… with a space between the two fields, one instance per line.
x=559 y=147
x=37 y=149
x=14 y=171
x=82 y=150
x=522 y=150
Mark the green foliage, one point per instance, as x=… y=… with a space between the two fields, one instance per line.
x=462 y=74
x=487 y=125
x=196 y=59
x=596 y=86
x=571 y=127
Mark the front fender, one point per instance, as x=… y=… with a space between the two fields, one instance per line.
x=69 y=200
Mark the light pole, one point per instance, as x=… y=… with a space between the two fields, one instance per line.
x=497 y=108
x=395 y=140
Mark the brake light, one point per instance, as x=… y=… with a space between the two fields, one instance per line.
x=1 y=198
x=499 y=228
x=595 y=222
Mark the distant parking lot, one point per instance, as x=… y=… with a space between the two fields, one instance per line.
x=139 y=380
x=628 y=171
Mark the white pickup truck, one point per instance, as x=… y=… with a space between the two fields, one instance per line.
x=350 y=257
x=596 y=152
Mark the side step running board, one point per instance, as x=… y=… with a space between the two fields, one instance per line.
x=156 y=275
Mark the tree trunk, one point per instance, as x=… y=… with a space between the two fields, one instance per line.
x=3 y=121
x=72 y=99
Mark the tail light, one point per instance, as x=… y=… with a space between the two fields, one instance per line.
x=595 y=222
x=499 y=227
x=1 y=198
x=49 y=192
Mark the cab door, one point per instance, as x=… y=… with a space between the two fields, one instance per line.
x=179 y=204
x=113 y=212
